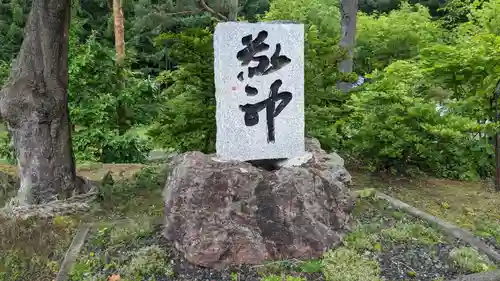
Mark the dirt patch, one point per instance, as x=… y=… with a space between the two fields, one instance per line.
x=94 y=171
x=119 y=171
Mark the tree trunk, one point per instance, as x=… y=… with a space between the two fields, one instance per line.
x=119 y=31
x=34 y=103
x=233 y=10
x=348 y=11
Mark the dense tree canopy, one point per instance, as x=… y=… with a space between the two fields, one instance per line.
x=420 y=56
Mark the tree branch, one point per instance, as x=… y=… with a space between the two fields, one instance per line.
x=205 y=7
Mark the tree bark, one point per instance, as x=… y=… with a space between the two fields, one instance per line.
x=119 y=31
x=348 y=11
x=233 y=10
x=34 y=102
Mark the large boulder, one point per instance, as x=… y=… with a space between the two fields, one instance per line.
x=221 y=213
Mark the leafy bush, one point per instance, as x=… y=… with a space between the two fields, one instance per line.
x=186 y=120
x=395 y=126
x=401 y=34
x=105 y=102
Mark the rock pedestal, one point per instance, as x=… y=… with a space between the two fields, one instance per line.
x=221 y=213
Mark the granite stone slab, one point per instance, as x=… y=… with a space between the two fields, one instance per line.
x=259 y=81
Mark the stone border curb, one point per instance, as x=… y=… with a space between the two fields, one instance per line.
x=493 y=275
x=72 y=253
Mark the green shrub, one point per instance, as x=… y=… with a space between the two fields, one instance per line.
x=186 y=119
x=394 y=126
x=105 y=103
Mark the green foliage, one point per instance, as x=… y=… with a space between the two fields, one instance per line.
x=470 y=260
x=4 y=72
x=319 y=13
x=148 y=262
x=105 y=103
x=187 y=118
x=383 y=39
x=403 y=232
x=395 y=126
x=344 y=264
x=418 y=57
x=12 y=19
x=7 y=148
x=385 y=6
x=361 y=239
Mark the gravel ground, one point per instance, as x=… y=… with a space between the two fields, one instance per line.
x=417 y=262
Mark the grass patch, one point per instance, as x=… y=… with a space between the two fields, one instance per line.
x=469 y=259
x=364 y=237
x=291 y=266
x=409 y=232
x=468 y=204
x=140 y=194
x=124 y=250
x=345 y=264
x=33 y=249
x=147 y=261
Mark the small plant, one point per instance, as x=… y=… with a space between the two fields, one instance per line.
x=361 y=239
x=101 y=238
x=135 y=229
x=367 y=193
x=310 y=266
x=469 y=259
x=86 y=266
x=147 y=262
x=403 y=232
x=344 y=264
x=487 y=228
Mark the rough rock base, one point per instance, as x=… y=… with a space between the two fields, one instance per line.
x=229 y=213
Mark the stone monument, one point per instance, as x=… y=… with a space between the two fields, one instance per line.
x=259 y=81
x=221 y=210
